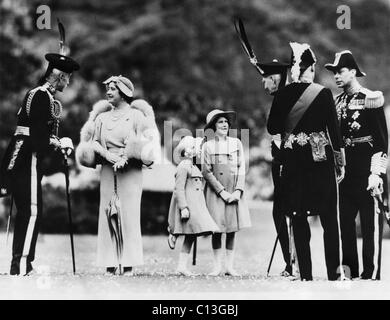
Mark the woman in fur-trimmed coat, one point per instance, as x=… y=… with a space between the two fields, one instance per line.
x=121 y=135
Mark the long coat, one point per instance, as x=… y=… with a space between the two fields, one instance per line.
x=223 y=167
x=307 y=186
x=189 y=193
x=126 y=137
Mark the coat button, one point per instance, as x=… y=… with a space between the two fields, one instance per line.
x=197 y=189
x=221 y=173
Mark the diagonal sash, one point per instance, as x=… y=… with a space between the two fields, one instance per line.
x=300 y=107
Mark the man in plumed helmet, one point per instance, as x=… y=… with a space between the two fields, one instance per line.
x=364 y=131
x=275 y=78
x=36 y=135
x=304 y=114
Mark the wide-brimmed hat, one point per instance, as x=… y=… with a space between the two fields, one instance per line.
x=273 y=67
x=123 y=84
x=344 y=59
x=215 y=114
x=61 y=62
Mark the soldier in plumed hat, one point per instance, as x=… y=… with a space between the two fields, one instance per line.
x=303 y=112
x=275 y=78
x=36 y=135
x=364 y=132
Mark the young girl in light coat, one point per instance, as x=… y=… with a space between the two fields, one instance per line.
x=188 y=214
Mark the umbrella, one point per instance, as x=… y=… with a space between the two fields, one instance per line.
x=113 y=213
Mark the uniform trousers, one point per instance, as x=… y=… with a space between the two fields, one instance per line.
x=27 y=192
x=302 y=235
x=279 y=217
x=354 y=199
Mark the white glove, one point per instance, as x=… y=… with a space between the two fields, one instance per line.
x=375 y=184
x=120 y=164
x=235 y=197
x=340 y=174
x=66 y=145
x=112 y=157
x=225 y=196
x=55 y=142
x=185 y=213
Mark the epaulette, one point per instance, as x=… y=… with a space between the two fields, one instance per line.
x=374 y=99
x=31 y=96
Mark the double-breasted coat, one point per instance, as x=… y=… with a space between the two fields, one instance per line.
x=189 y=193
x=223 y=167
x=364 y=132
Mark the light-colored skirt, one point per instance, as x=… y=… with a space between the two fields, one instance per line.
x=228 y=217
x=129 y=189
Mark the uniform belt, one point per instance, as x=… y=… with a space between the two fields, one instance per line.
x=302 y=139
x=350 y=142
x=20 y=130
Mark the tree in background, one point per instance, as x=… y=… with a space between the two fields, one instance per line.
x=183 y=56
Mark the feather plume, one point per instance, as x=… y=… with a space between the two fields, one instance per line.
x=61 y=30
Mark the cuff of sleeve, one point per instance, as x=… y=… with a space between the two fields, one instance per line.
x=340 y=157
x=379 y=163
x=219 y=191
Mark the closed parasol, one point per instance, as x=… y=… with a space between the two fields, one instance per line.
x=113 y=213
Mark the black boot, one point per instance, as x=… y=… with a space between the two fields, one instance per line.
x=15 y=266
x=110 y=271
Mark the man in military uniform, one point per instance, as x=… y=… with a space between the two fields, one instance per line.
x=21 y=168
x=275 y=78
x=304 y=114
x=364 y=131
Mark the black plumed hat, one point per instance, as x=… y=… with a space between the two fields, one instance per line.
x=274 y=67
x=61 y=62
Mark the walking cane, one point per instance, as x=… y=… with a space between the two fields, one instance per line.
x=380 y=212
x=274 y=249
x=67 y=148
x=273 y=253
x=9 y=219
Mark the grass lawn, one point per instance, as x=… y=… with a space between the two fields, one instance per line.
x=156 y=279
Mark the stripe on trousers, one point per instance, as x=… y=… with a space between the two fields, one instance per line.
x=343 y=275
x=33 y=209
